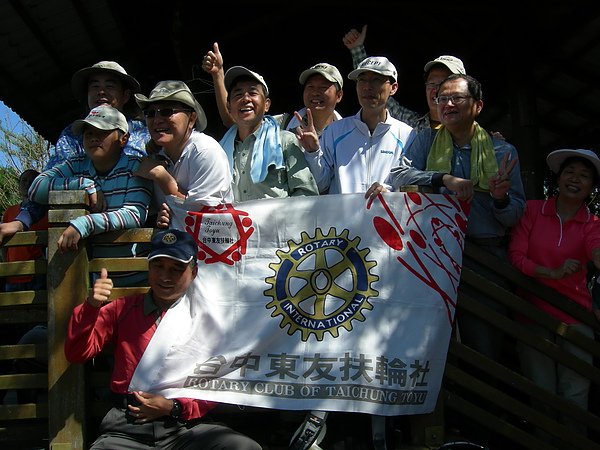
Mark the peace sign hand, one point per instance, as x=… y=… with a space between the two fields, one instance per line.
x=307 y=133
x=499 y=184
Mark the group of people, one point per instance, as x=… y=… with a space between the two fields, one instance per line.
x=130 y=169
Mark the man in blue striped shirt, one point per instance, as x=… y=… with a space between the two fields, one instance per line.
x=118 y=199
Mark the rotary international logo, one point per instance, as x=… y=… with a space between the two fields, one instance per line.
x=321 y=284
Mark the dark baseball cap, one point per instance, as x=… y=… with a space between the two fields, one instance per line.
x=173 y=244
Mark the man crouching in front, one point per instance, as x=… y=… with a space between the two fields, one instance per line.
x=141 y=420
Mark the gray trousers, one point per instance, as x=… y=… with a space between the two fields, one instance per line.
x=556 y=378
x=118 y=431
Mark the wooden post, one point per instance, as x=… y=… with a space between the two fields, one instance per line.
x=68 y=282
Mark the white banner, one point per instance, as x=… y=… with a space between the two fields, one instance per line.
x=314 y=303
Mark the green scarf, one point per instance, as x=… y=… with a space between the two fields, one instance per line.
x=483 y=157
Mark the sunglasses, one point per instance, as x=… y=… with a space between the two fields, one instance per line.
x=164 y=112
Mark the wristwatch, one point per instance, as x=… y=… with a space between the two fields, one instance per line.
x=176 y=410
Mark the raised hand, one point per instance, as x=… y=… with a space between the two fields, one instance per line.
x=213 y=60
x=307 y=134
x=101 y=291
x=499 y=183
x=354 y=38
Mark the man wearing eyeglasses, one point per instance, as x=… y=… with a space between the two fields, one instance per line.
x=433 y=73
x=462 y=158
x=190 y=165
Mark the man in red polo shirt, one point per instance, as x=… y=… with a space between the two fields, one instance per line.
x=143 y=419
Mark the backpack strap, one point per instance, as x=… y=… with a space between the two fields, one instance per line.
x=312 y=429
x=378 y=431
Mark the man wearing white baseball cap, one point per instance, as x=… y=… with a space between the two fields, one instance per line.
x=336 y=158
x=118 y=200
x=433 y=73
x=322 y=92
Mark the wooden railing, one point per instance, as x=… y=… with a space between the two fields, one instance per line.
x=479 y=393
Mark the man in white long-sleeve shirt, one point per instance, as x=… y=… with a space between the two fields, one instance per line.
x=354 y=152
x=351 y=154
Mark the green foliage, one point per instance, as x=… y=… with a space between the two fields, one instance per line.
x=9 y=187
x=21 y=147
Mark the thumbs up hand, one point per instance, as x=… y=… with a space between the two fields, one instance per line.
x=102 y=289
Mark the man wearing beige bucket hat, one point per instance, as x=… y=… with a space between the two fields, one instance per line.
x=190 y=164
x=104 y=83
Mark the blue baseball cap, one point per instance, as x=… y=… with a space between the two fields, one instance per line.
x=173 y=244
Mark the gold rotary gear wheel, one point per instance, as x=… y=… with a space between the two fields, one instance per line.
x=321 y=284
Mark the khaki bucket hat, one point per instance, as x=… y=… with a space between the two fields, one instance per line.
x=174 y=91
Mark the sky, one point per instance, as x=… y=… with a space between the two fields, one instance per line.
x=10 y=119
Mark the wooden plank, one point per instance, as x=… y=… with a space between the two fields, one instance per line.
x=511 y=327
x=119 y=264
x=28 y=315
x=64 y=216
x=26 y=411
x=68 y=282
x=125 y=236
x=68 y=199
x=25 y=431
x=24 y=381
x=466 y=355
x=521 y=438
x=23 y=351
x=18 y=298
x=27 y=238
x=125 y=291
x=513 y=406
x=31 y=267
x=517 y=305
x=509 y=272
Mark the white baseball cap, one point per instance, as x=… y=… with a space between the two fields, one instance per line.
x=377 y=64
x=453 y=64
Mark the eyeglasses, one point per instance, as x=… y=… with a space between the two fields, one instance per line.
x=455 y=99
x=164 y=112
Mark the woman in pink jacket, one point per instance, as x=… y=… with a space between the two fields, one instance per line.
x=553 y=243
